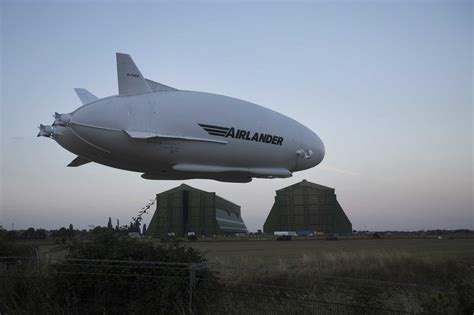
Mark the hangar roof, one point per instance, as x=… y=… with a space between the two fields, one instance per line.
x=304 y=182
x=187 y=187
x=182 y=187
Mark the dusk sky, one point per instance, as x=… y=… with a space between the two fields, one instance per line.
x=387 y=85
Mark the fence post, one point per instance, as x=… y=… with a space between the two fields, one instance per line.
x=192 y=280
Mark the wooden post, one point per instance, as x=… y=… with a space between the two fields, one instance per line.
x=192 y=281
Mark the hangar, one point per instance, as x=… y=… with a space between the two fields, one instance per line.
x=307 y=206
x=185 y=209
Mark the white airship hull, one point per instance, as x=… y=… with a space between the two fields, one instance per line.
x=172 y=134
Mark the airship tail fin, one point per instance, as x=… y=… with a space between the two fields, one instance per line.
x=85 y=96
x=158 y=87
x=79 y=161
x=130 y=79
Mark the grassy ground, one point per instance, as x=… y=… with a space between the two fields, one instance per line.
x=296 y=249
x=419 y=275
x=414 y=275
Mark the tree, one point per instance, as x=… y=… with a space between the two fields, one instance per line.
x=63 y=232
x=109 y=225
x=134 y=225
x=144 y=229
x=41 y=234
x=29 y=234
x=71 y=228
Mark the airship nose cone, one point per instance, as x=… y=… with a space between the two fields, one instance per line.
x=319 y=150
x=312 y=151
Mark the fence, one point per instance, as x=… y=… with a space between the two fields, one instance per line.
x=85 y=285
x=239 y=302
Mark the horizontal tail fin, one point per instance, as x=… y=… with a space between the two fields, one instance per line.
x=85 y=96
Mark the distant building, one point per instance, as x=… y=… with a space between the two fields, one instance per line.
x=306 y=206
x=185 y=209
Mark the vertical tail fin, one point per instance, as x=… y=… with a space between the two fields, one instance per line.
x=130 y=80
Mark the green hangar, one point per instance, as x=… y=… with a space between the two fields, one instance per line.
x=307 y=207
x=185 y=209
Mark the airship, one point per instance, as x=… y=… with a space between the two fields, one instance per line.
x=171 y=134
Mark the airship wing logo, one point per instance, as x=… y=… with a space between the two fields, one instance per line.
x=241 y=134
x=215 y=130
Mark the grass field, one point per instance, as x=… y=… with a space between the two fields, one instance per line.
x=413 y=275
x=270 y=250
x=419 y=275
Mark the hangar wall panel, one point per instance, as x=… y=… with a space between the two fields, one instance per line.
x=307 y=206
x=186 y=209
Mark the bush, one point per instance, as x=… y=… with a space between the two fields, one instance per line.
x=122 y=279
x=9 y=247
